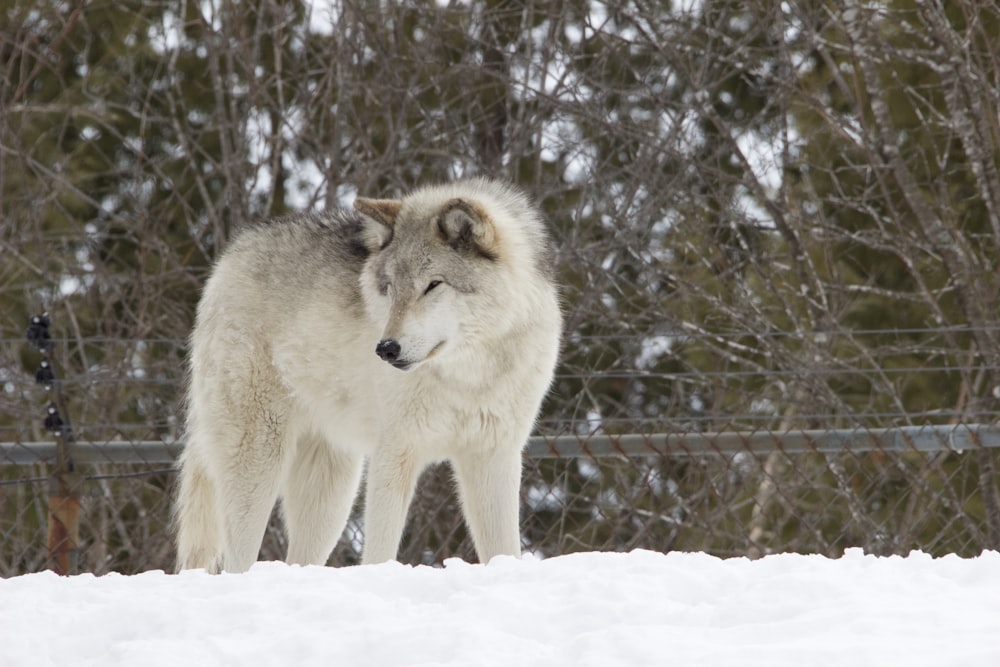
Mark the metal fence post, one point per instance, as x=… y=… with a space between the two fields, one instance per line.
x=64 y=482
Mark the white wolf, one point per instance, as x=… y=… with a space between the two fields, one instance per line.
x=407 y=331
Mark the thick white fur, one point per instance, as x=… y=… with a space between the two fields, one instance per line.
x=287 y=397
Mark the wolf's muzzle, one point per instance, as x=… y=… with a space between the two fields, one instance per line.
x=388 y=350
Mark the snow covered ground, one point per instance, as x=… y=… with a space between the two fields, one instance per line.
x=640 y=608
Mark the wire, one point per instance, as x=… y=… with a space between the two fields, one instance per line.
x=93 y=478
x=572 y=337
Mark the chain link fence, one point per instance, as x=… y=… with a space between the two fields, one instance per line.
x=733 y=493
x=889 y=493
x=772 y=219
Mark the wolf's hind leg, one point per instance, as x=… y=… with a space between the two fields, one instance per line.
x=489 y=484
x=248 y=487
x=249 y=499
x=318 y=493
x=197 y=518
x=392 y=479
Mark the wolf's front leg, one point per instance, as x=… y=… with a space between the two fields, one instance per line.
x=489 y=482
x=391 y=479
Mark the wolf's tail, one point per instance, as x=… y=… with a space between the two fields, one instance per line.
x=197 y=518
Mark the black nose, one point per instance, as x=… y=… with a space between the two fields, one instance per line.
x=388 y=350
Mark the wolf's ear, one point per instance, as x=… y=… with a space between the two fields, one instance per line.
x=380 y=217
x=466 y=227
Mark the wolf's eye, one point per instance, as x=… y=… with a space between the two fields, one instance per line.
x=432 y=285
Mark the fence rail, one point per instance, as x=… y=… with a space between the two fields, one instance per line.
x=929 y=438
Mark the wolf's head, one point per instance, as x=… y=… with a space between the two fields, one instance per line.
x=444 y=267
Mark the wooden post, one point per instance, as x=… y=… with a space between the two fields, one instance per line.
x=64 y=482
x=64 y=493
x=64 y=522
